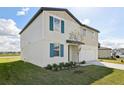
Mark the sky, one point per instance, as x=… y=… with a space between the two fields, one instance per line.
x=109 y=21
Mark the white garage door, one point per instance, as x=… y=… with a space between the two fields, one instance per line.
x=90 y=55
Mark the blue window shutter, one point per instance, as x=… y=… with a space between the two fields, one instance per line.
x=62 y=26
x=51 y=50
x=51 y=23
x=62 y=50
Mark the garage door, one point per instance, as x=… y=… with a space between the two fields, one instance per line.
x=90 y=55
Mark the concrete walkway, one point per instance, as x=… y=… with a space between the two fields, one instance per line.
x=110 y=65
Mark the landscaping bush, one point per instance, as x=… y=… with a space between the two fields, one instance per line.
x=61 y=66
x=67 y=65
x=83 y=62
x=55 y=67
x=71 y=63
x=49 y=67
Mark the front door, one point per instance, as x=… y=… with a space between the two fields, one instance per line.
x=73 y=53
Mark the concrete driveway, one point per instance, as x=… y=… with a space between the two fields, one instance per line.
x=105 y=64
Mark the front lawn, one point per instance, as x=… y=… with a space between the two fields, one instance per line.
x=115 y=78
x=111 y=60
x=19 y=72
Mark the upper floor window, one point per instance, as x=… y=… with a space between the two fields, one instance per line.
x=56 y=24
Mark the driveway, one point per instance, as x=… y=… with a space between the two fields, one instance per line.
x=105 y=64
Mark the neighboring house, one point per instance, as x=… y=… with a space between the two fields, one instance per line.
x=104 y=52
x=54 y=35
x=121 y=50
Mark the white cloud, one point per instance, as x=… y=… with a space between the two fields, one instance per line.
x=9 y=35
x=107 y=34
x=86 y=21
x=113 y=42
x=23 y=11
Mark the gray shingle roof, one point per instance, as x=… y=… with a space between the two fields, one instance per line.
x=56 y=9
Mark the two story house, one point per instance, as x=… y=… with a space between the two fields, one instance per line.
x=54 y=35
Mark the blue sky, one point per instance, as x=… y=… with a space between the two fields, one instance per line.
x=11 y=13
x=108 y=20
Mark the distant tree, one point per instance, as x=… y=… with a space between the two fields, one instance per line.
x=98 y=45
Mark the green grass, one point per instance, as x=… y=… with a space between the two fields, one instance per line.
x=115 y=78
x=18 y=72
x=2 y=55
x=9 y=59
x=110 y=60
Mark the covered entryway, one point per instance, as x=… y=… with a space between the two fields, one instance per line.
x=73 y=54
x=73 y=50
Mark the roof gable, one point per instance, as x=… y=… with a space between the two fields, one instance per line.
x=56 y=9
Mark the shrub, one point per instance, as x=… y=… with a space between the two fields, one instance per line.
x=61 y=65
x=71 y=63
x=55 y=67
x=67 y=65
x=83 y=62
x=49 y=67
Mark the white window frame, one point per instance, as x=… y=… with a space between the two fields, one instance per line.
x=54 y=25
x=58 y=44
x=54 y=16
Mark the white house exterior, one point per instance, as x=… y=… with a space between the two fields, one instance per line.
x=104 y=52
x=54 y=35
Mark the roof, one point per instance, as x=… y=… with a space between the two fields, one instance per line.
x=104 y=48
x=74 y=42
x=120 y=48
x=56 y=9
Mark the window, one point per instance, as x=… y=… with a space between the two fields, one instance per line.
x=56 y=50
x=56 y=24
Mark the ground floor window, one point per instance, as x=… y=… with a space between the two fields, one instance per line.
x=56 y=49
